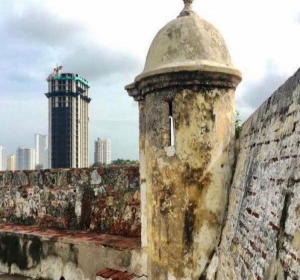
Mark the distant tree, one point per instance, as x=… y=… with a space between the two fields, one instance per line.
x=39 y=167
x=118 y=162
x=99 y=164
x=124 y=162
x=238 y=126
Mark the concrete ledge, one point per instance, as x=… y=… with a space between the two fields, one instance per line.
x=51 y=254
x=69 y=236
x=113 y=274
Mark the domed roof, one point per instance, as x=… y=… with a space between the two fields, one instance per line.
x=188 y=43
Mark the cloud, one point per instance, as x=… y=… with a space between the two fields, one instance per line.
x=253 y=93
x=36 y=39
x=257 y=92
x=21 y=120
x=95 y=62
x=33 y=39
x=38 y=25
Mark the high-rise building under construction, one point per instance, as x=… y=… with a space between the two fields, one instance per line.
x=68 y=96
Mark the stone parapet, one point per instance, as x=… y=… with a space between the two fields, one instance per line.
x=103 y=200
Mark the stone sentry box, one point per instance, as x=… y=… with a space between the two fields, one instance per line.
x=187 y=138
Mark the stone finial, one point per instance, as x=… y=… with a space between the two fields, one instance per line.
x=187 y=10
x=188 y=3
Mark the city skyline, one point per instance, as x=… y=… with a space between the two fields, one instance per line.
x=26 y=158
x=39 y=154
x=110 y=55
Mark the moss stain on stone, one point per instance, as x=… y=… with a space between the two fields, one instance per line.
x=189 y=223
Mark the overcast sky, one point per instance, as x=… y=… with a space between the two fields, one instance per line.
x=106 y=42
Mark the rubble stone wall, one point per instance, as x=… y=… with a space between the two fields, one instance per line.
x=104 y=200
x=261 y=238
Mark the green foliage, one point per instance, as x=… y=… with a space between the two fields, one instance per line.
x=119 y=162
x=124 y=162
x=23 y=220
x=238 y=126
x=99 y=164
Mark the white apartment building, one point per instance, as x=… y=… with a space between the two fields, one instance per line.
x=41 y=151
x=2 y=158
x=11 y=162
x=102 y=151
x=25 y=159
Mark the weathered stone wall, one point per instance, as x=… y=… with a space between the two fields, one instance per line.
x=105 y=200
x=261 y=238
